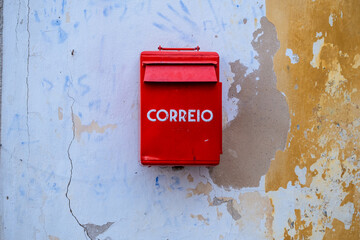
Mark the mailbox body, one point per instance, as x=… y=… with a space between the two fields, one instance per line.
x=180 y=108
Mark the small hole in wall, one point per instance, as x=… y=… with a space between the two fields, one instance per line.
x=7 y=197
x=177 y=168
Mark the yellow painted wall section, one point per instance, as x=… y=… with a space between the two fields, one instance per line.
x=318 y=69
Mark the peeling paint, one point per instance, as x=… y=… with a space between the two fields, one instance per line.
x=263 y=118
x=314 y=183
x=92 y=127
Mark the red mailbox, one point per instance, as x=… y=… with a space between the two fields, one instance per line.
x=180 y=107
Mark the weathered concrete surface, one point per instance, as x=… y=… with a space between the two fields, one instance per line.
x=318 y=172
x=69 y=159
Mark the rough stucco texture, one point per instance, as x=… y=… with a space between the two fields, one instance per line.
x=70 y=105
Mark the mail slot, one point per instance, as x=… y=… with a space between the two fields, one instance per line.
x=180 y=107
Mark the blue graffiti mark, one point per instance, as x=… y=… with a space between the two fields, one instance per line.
x=29 y=143
x=47 y=84
x=209 y=25
x=160 y=189
x=62 y=35
x=55 y=188
x=80 y=114
x=161 y=27
x=52 y=174
x=56 y=22
x=123 y=13
x=192 y=23
x=63 y=3
x=67 y=83
x=94 y=105
x=15 y=125
x=173 y=10
x=36 y=15
x=183 y=7
x=84 y=86
x=86 y=15
x=157 y=182
x=22 y=191
x=223 y=24
x=175 y=184
x=45 y=37
x=107 y=11
x=99 y=138
x=162 y=16
x=76 y=24
x=107 y=108
x=184 y=36
x=213 y=12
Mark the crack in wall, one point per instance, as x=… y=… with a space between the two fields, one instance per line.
x=72 y=166
x=27 y=77
x=91 y=230
x=17 y=25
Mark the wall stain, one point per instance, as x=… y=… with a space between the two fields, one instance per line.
x=200 y=218
x=261 y=126
x=201 y=189
x=60 y=113
x=51 y=237
x=92 y=127
x=323 y=98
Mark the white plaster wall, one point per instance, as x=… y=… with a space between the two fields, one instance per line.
x=46 y=89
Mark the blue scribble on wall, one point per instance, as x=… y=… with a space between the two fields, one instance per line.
x=161 y=27
x=47 y=84
x=95 y=105
x=184 y=8
x=45 y=36
x=16 y=125
x=63 y=3
x=67 y=83
x=159 y=188
x=84 y=86
x=56 y=22
x=62 y=35
x=36 y=15
x=107 y=10
x=175 y=183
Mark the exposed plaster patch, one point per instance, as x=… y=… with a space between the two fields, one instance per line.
x=317 y=45
x=200 y=218
x=261 y=126
x=294 y=58
x=53 y=237
x=190 y=178
x=332 y=17
x=301 y=173
x=92 y=127
x=60 y=113
x=94 y=230
x=356 y=61
x=201 y=189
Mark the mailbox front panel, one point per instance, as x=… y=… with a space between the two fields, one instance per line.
x=181 y=112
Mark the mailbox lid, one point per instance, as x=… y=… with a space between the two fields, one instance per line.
x=180 y=73
x=175 y=66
